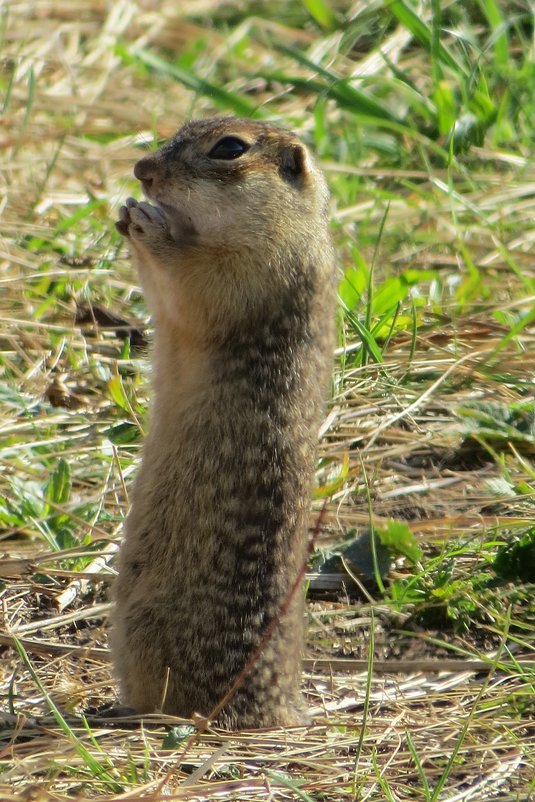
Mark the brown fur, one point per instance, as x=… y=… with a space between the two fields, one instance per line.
x=236 y=263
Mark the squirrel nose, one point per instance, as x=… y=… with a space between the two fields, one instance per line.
x=143 y=171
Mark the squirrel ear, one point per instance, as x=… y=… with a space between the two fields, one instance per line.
x=295 y=165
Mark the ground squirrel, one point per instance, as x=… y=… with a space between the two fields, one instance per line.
x=236 y=264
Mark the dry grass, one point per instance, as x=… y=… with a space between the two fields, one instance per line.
x=399 y=441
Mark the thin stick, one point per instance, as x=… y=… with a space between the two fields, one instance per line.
x=79 y=586
x=46 y=648
x=394 y=666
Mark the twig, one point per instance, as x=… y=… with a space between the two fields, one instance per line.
x=45 y=648
x=80 y=585
x=83 y=614
x=411 y=666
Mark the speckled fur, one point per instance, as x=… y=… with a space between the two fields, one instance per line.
x=237 y=267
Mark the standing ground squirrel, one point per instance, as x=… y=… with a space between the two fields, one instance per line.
x=236 y=264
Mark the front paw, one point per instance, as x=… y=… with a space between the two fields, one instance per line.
x=140 y=221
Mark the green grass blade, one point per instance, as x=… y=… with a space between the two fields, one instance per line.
x=368 y=339
x=49 y=170
x=469 y=718
x=514 y=331
x=423 y=34
x=321 y=12
x=366 y=704
x=9 y=89
x=341 y=88
x=231 y=101
x=92 y=764
x=419 y=768
x=494 y=16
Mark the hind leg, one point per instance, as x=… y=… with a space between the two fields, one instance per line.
x=138 y=659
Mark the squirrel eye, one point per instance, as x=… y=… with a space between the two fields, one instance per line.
x=230 y=147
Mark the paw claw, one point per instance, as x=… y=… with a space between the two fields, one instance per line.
x=139 y=219
x=124 y=221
